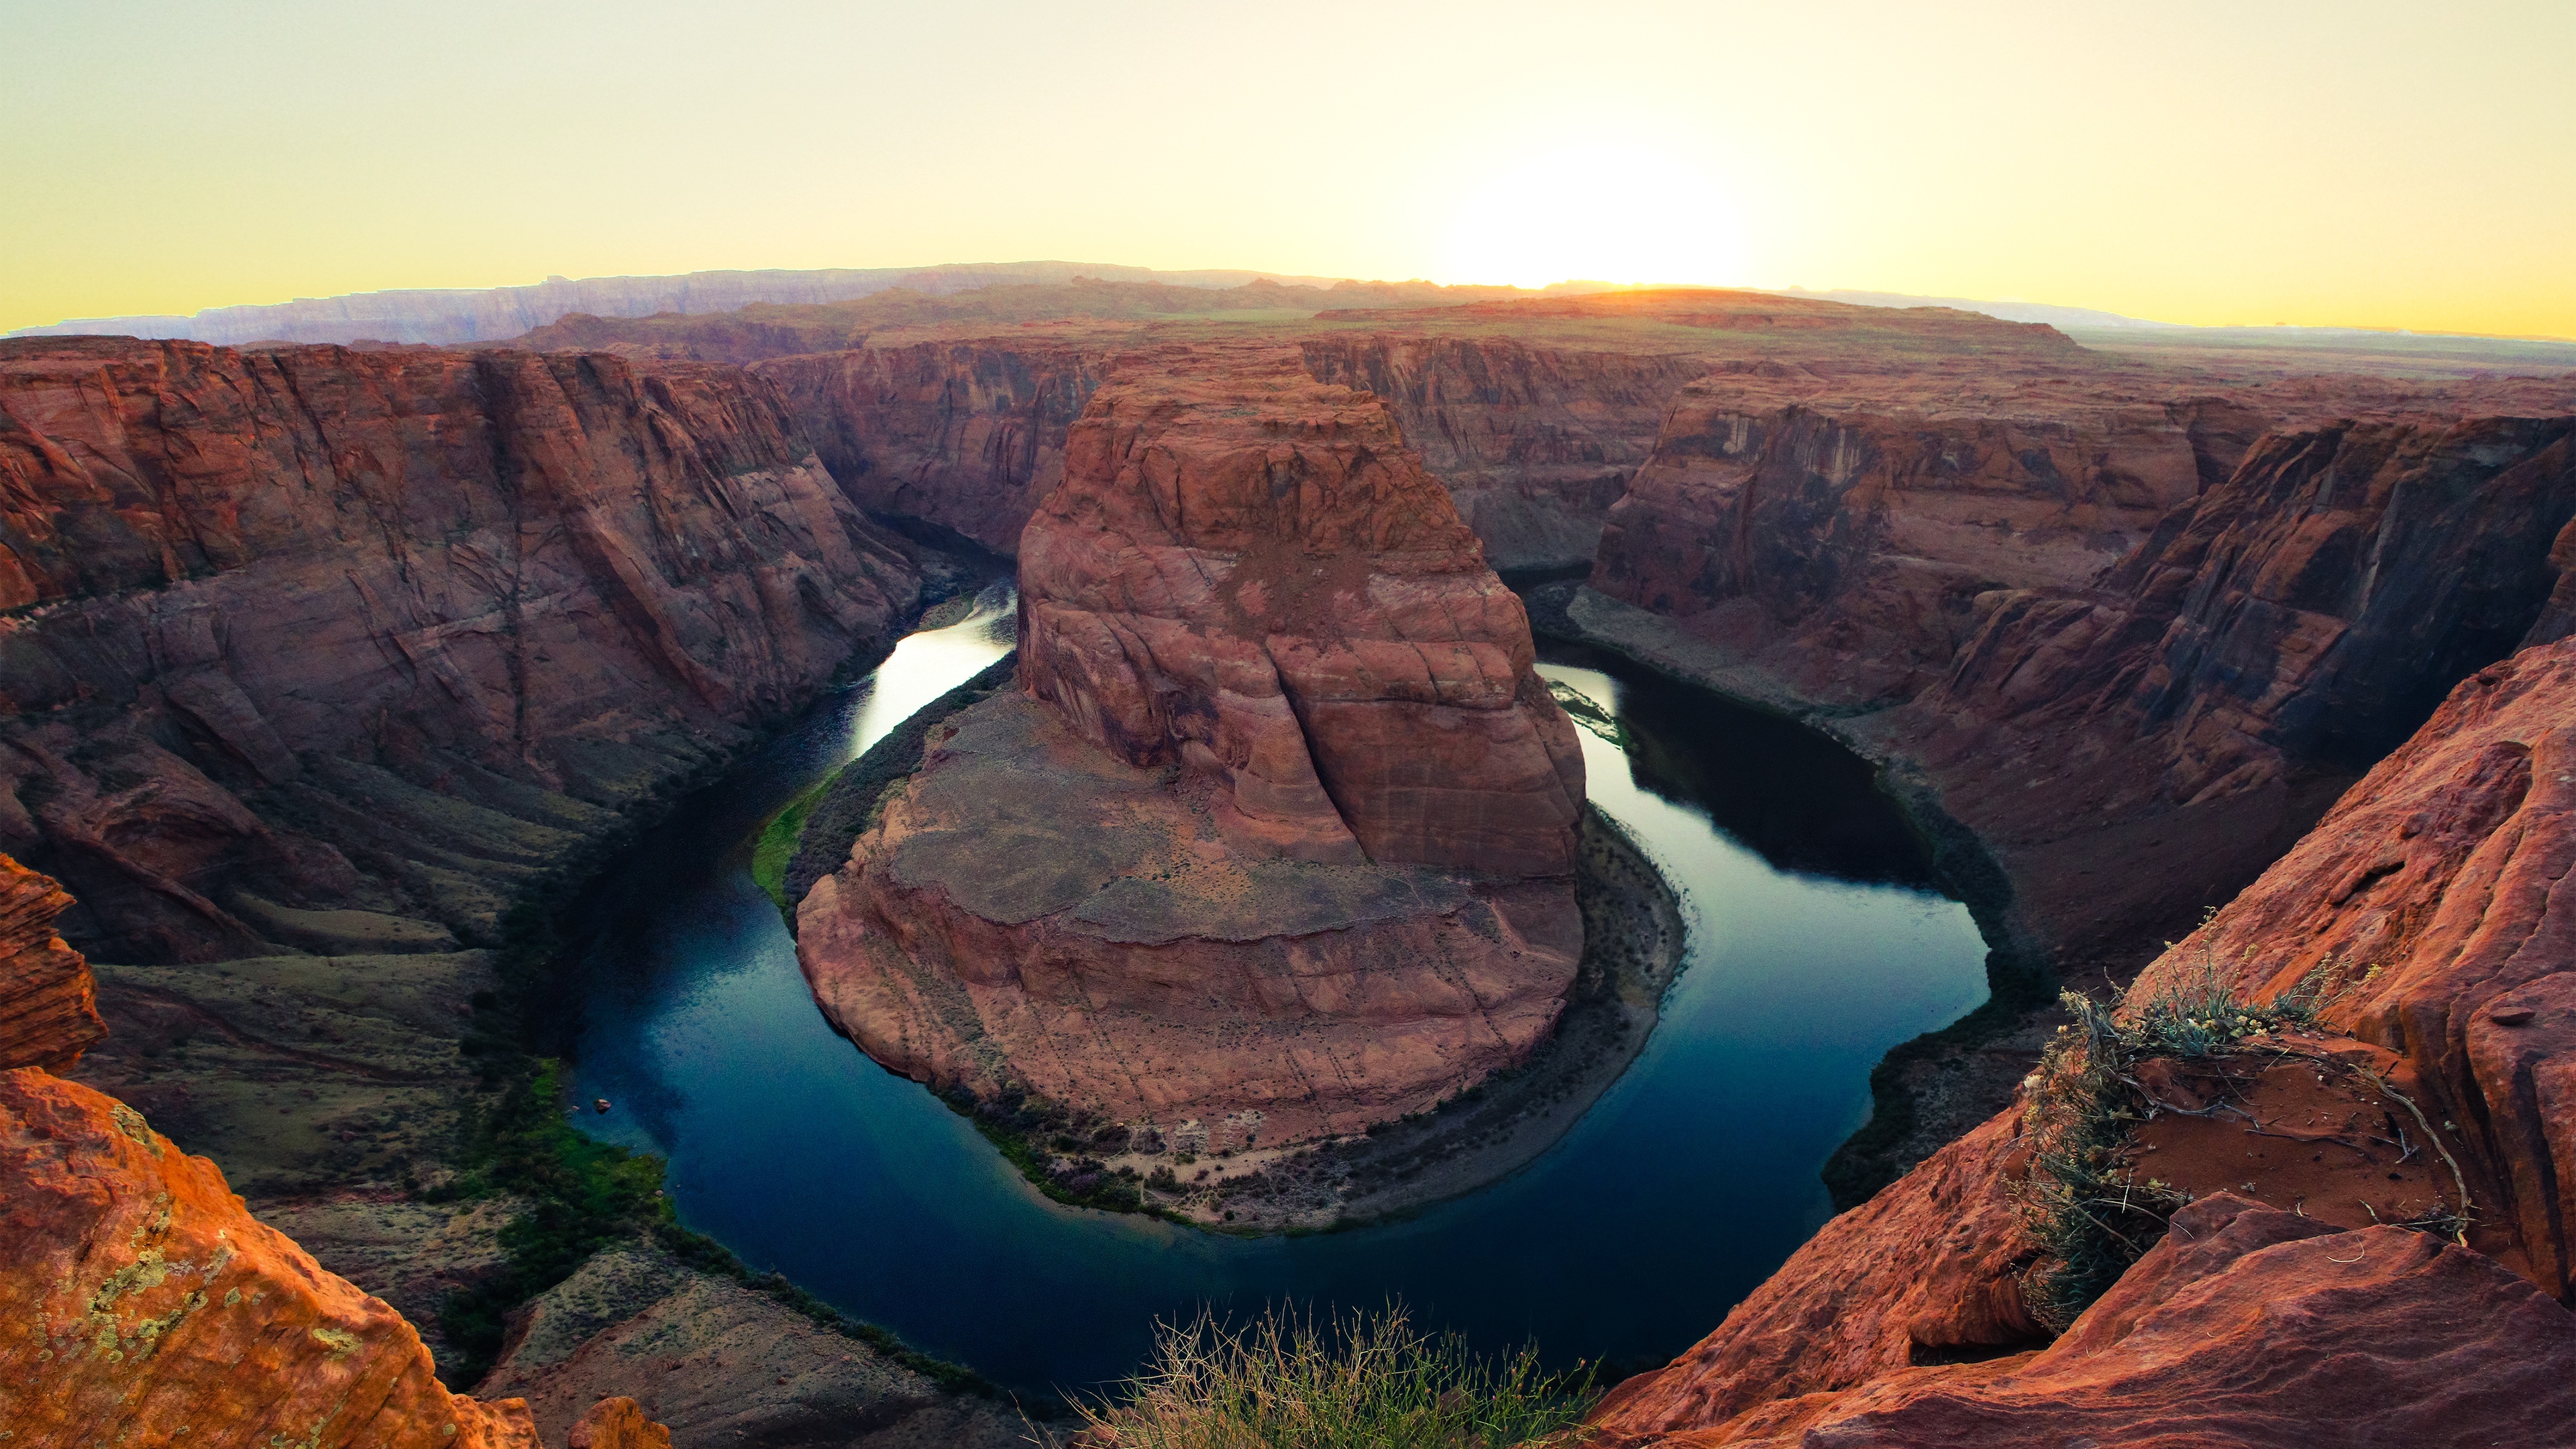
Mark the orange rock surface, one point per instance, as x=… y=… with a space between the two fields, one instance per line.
x=141 y=1302
x=617 y=1424
x=1279 y=841
x=2246 y=1327
x=48 y=1003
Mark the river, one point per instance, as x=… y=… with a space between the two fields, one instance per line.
x=1816 y=942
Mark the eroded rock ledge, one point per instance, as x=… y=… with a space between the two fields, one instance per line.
x=1279 y=839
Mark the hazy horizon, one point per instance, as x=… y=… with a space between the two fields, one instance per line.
x=2363 y=165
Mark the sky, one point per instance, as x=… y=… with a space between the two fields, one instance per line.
x=2253 y=162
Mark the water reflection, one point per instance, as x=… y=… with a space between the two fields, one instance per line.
x=1810 y=955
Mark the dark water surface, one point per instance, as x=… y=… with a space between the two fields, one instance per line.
x=1816 y=943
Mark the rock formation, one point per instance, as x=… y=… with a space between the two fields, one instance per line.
x=1839 y=539
x=2429 y=900
x=142 y=1301
x=1279 y=839
x=338 y=650
x=48 y=1001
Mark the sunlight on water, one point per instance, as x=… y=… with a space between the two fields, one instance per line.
x=929 y=664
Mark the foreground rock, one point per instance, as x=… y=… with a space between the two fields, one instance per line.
x=2430 y=897
x=1278 y=842
x=144 y=1302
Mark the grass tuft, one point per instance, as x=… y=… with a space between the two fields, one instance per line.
x=1374 y=1380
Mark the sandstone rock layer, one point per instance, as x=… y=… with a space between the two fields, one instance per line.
x=1278 y=841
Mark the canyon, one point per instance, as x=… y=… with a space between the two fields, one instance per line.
x=1279 y=826
x=329 y=669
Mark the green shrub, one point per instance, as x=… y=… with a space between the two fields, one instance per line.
x=2090 y=1219
x=1370 y=1381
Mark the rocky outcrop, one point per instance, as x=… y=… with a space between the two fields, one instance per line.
x=337 y=650
x=48 y=1002
x=2427 y=904
x=1282 y=830
x=143 y=1303
x=965 y=436
x=2433 y=899
x=1535 y=444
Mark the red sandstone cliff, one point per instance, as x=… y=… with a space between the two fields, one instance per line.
x=1534 y=443
x=337 y=649
x=48 y=1003
x=1281 y=833
x=967 y=436
x=143 y=1302
x=2431 y=896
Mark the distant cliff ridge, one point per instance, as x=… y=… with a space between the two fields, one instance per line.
x=450 y=315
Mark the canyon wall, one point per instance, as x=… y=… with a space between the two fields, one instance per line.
x=339 y=650
x=2135 y=749
x=2430 y=903
x=1839 y=539
x=965 y=436
x=2134 y=645
x=1281 y=829
x=1534 y=443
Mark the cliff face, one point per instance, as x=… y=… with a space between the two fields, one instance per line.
x=2134 y=749
x=1839 y=539
x=2433 y=897
x=968 y=436
x=143 y=1302
x=336 y=649
x=1282 y=828
x=1535 y=444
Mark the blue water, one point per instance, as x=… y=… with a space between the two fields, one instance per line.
x=1814 y=947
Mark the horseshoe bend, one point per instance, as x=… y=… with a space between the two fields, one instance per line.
x=1066 y=853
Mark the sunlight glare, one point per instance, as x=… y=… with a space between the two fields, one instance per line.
x=1597 y=213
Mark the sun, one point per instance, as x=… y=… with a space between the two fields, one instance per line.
x=1606 y=213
